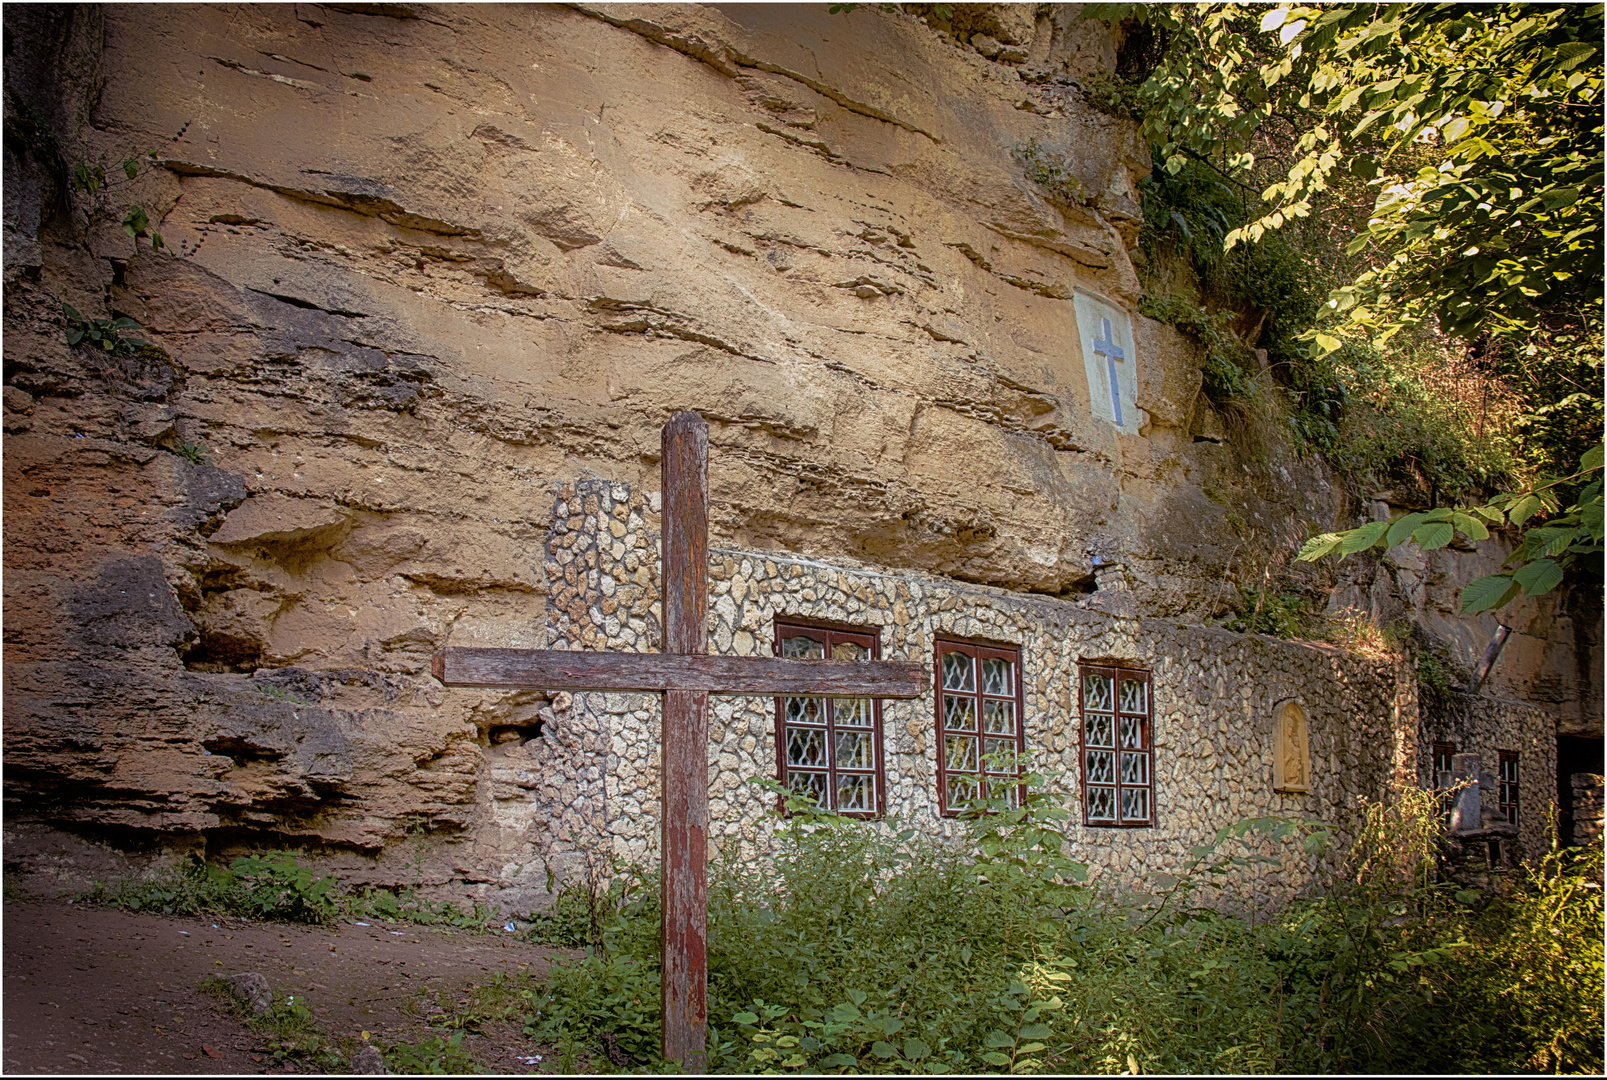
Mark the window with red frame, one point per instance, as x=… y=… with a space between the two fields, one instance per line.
x=1118 y=747
x=981 y=732
x=830 y=749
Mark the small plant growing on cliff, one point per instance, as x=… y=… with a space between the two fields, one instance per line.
x=105 y=333
x=196 y=454
x=267 y=690
x=93 y=181
x=1227 y=377
x=1049 y=173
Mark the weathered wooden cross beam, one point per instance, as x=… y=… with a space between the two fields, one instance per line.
x=686 y=675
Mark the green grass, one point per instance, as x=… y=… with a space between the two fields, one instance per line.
x=277 y=887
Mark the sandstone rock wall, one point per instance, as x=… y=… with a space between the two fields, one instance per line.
x=432 y=274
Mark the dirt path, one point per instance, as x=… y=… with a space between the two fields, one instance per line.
x=91 y=990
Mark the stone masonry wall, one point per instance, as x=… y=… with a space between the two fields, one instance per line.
x=1214 y=693
x=1486 y=725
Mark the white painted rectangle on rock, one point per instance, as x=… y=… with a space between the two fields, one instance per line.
x=1105 y=336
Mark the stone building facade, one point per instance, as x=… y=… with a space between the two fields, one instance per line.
x=433 y=278
x=586 y=779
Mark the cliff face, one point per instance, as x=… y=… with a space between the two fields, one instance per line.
x=424 y=266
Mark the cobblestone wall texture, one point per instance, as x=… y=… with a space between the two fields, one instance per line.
x=1214 y=694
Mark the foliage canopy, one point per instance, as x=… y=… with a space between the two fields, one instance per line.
x=1474 y=134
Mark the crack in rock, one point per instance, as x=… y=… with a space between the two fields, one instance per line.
x=727 y=60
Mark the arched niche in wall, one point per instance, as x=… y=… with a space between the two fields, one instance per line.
x=1291 y=748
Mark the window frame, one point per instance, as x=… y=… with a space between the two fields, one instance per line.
x=1117 y=673
x=828 y=632
x=1508 y=792
x=978 y=649
x=1448 y=750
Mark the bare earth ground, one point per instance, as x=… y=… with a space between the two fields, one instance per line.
x=94 y=990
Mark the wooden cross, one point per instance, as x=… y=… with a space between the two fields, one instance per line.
x=686 y=675
x=1106 y=346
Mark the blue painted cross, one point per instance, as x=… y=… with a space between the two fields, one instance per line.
x=1107 y=347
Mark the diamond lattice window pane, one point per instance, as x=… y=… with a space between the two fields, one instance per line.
x=998 y=677
x=1132 y=696
x=854 y=750
x=1003 y=753
x=806 y=747
x=1101 y=730
x=1101 y=767
x=959 y=754
x=1132 y=733
x=1135 y=768
x=999 y=717
x=802 y=648
x=811 y=785
x=1102 y=804
x=856 y=793
x=962 y=789
x=959 y=673
x=852 y=711
x=1135 y=804
x=805 y=710
x=959 y=714
x=849 y=650
x=1096 y=693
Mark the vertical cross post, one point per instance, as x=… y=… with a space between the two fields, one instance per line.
x=684 y=772
x=1106 y=346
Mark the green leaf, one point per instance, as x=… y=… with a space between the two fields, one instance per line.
x=883 y=1050
x=1592 y=458
x=1401 y=528
x=131 y=167
x=1363 y=538
x=1470 y=527
x=1436 y=534
x=1539 y=577
x=1491 y=514
x=1036 y=1031
x=1523 y=509
x=1327 y=343
x=839 y=1061
x=1488 y=593
x=997 y=1039
x=1029 y=1048
x=993 y=1057
x=1318 y=546
x=1590 y=515
x=915 y=1049
x=745 y=1018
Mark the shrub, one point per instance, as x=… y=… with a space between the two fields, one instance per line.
x=857 y=948
x=276 y=887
